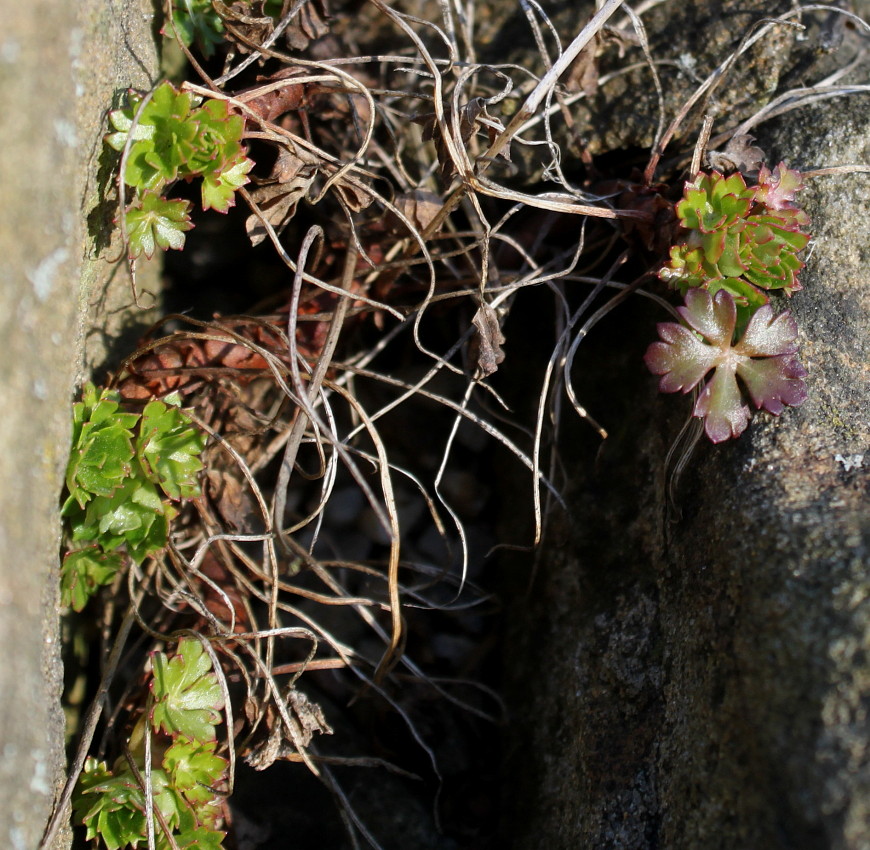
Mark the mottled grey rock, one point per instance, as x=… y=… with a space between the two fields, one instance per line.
x=619 y=107
x=62 y=66
x=706 y=682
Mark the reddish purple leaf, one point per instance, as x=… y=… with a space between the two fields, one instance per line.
x=764 y=360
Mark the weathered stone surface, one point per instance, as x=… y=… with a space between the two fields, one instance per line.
x=687 y=40
x=61 y=65
x=706 y=683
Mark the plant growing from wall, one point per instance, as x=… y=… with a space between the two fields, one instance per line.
x=738 y=243
x=125 y=475
x=182 y=710
x=174 y=136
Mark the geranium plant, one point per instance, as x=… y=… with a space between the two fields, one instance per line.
x=764 y=360
x=737 y=244
x=124 y=473
x=175 y=136
x=111 y=803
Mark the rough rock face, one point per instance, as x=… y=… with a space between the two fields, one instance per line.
x=62 y=66
x=608 y=99
x=706 y=682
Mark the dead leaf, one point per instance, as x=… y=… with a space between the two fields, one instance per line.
x=232 y=499
x=277 y=204
x=418 y=206
x=355 y=198
x=583 y=73
x=273 y=104
x=310 y=23
x=472 y=116
x=739 y=155
x=488 y=342
x=308 y=719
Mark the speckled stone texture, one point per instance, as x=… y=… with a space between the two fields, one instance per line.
x=62 y=65
x=706 y=682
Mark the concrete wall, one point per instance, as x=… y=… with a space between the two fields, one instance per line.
x=61 y=65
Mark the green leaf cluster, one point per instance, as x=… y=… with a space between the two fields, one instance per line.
x=124 y=472
x=111 y=803
x=741 y=239
x=175 y=136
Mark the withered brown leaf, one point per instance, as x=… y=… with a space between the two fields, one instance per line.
x=487 y=344
x=418 y=206
x=740 y=154
x=277 y=204
x=472 y=116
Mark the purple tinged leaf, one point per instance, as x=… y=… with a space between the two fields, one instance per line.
x=774 y=382
x=768 y=335
x=777 y=188
x=721 y=405
x=713 y=318
x=681 y=359
x=764 y=360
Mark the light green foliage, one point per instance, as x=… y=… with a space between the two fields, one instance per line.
x=193 y=767
x=187 y=697
x=169 y=447
x=111 y=803
x=119 y=464
x=133 y=516
x=163 y=139
x=110 y=806
x=741 y=239
x=102 y=448
x=174 y=136
x=155 y=222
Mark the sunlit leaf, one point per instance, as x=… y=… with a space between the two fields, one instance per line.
x=764 y=360
x=193 y=767
x=169 y=446
x=187 y=696
x=219 y=189
x=153 y=222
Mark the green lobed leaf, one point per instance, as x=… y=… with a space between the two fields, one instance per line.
x=122 y=121
x=133 y=516
x=219 y=189
x=194 y=767
x=153 y=222
x=202 y=837
x=187 y=696
x=101 y=447
x=165 y=142
x=758 y=245
x=712 y=202
x=111 y=807
x=84 y=571
x=219 y=131
x=168 y=447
